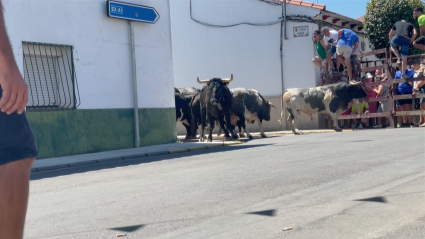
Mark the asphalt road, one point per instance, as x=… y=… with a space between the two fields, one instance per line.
x=363 y=184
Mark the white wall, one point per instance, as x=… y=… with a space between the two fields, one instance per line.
x=251 y=53
x=101 y=48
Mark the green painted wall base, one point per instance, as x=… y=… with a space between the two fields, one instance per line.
x=64 y=133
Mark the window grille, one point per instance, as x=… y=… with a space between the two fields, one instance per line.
x=51 y=78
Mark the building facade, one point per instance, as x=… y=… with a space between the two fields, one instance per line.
x=77 y=63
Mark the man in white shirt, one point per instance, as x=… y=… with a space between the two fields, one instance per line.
x=330 y=38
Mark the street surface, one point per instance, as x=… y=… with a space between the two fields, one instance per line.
x=362 y=184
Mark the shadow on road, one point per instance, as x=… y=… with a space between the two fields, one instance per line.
x=136 y=161
x=266 y=213
x=127 y=228
x=374 y=199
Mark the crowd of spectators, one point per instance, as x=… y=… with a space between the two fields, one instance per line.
x=337 y=52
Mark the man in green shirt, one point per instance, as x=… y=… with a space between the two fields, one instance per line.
x=420 y=42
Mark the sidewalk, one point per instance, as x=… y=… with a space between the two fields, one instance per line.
x=117 y=155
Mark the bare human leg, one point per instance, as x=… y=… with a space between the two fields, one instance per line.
x=14 y=188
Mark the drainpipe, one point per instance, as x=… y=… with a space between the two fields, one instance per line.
x=282 y=38
x=284 y=16
x=281 y=55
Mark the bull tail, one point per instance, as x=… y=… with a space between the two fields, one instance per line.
x=283 y=108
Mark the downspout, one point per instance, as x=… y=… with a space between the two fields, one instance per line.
x=284 y=16
x=282 y=37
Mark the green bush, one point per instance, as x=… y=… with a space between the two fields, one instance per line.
x=381 y=16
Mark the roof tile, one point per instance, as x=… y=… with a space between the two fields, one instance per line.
x=305 y=4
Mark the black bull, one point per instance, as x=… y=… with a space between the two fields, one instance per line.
x=184 y=114
x=248 y=106
x=215 y=102
x=330 y=99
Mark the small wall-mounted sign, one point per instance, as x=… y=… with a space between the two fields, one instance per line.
x=301 y=31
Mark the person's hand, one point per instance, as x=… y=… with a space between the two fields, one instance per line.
x=15 y=90
x=414 y=91
x=366 y=112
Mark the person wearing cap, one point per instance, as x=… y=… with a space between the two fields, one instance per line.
x=419 y=87
x=418 y=14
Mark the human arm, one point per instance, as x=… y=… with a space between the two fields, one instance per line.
x=391 y=34
x=15 y=90
x=422 y=30
x=323 y=43
x=356 y=45
x=415 y=33
x=379 y=90
x=339 y=34
x=418 y=86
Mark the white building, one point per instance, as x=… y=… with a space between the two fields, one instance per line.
x=58 y=44
x=216 y=38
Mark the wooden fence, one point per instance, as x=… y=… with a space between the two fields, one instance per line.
x=390 y=69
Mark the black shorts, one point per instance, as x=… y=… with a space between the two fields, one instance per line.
x=420 y=40
x=16 y=139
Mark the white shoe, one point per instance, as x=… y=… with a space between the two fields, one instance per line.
x=399 y=61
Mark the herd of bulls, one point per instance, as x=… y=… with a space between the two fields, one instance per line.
x=216 y=102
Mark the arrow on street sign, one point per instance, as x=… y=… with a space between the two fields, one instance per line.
x=131 y=12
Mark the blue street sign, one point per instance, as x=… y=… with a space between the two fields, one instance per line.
x=131 y=12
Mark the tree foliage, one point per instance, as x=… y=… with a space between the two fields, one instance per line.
x=381 y=16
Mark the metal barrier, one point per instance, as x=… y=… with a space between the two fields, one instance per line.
x=392 y=96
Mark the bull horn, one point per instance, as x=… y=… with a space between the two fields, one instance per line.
x=202 y=81
x=228 y=80
x=272 y=105
x=355 y=83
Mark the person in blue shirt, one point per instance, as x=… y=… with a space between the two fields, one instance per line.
x=404 y=105
x=348 y=42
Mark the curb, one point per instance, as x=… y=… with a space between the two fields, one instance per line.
x=305 y=132
x=134 y=156
x=290 y=132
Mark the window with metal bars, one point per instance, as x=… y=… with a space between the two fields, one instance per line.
x=50 y=74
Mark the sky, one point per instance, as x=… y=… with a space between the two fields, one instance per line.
x=349 y=8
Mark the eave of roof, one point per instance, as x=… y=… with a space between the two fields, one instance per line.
x=305 y=4
x=335 y=19
x=340 y=21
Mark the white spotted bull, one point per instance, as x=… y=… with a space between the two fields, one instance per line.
x=329 y=99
